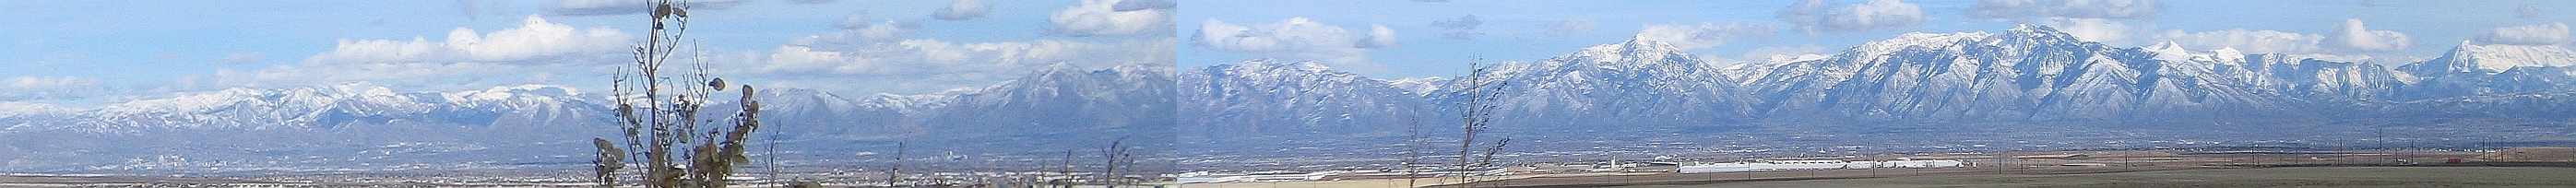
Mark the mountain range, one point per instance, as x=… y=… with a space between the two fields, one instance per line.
x=2030 y=75
x=364 y=127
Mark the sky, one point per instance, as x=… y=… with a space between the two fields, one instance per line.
x=1388 y=39
x=87 y=53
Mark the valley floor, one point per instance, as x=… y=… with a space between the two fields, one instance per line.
x=2100 y=169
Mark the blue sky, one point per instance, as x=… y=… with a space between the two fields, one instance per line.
x=83 y=53
x=1424 y=43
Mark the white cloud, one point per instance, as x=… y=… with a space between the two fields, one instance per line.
x=34 y=87
x=1823 y=16
x=2094 y=29
x=853 y=20
x=2353 y=36
x=2015 y=9
x=2247 y=41
x=466 y=59
x=535 y=38
x=1461 y=28
x=2534 y=34
x=1293 y=39
x=1378 y=37
x=624 y=7
x=1570 y=27
x=962 y=10
x=433 y=76
x=929 y=65
x=1101 y=17
x=1703 y=35
x=857 y=28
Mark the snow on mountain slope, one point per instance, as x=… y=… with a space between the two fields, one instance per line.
x=2029 y=73
x=1632 y=83
x=2497 y=58
x=1418 y=86
x=2472 y=69
x=360 y=126
x=1269 y=97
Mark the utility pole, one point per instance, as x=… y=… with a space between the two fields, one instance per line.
x=894 y=174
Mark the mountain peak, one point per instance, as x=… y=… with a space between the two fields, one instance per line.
x=1634 y=45
x=2169 y=51
x=2496 y=58
x=1623 y=53
x=2040 y=33
x=1276 y=65
x=2033 y=28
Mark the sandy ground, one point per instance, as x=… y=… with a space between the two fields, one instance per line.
x=2097 y=169
x=2412 y=176
x=2248 y=177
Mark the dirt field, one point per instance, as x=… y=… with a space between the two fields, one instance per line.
x=2249 y=177
x=2093 y=169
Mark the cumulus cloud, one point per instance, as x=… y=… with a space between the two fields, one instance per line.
x=2354 y=36
x=465 y=59
x=853 y=20
x=2094 y=29
x=2247 y=41
x=434 y=76
x=534 y=38
x=1293 y=39
x=624 y=7
x=930 y=65
x=1703 y=35
x=2015 y=9
x=1379 y=37
x=1114 y=17
x=1823 y=16
x=35 y=87
x=962 y=10
x=1570 y=27
x=1462 y=28
x=857 y=29
x=2535 y=34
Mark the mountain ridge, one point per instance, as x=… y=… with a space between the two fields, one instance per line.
x=2029 y=74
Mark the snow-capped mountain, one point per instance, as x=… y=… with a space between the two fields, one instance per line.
x=360 y=126
x=1418 y=85
x=2029 y=74
x=325 y=107
x=1270 y=97
x=354 y=125
x=2473 y=69
x=1061 y=99
x=1632 y=83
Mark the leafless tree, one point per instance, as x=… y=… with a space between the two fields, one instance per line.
x=1477 y=117
x=1119 y=155
x=667 y=114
